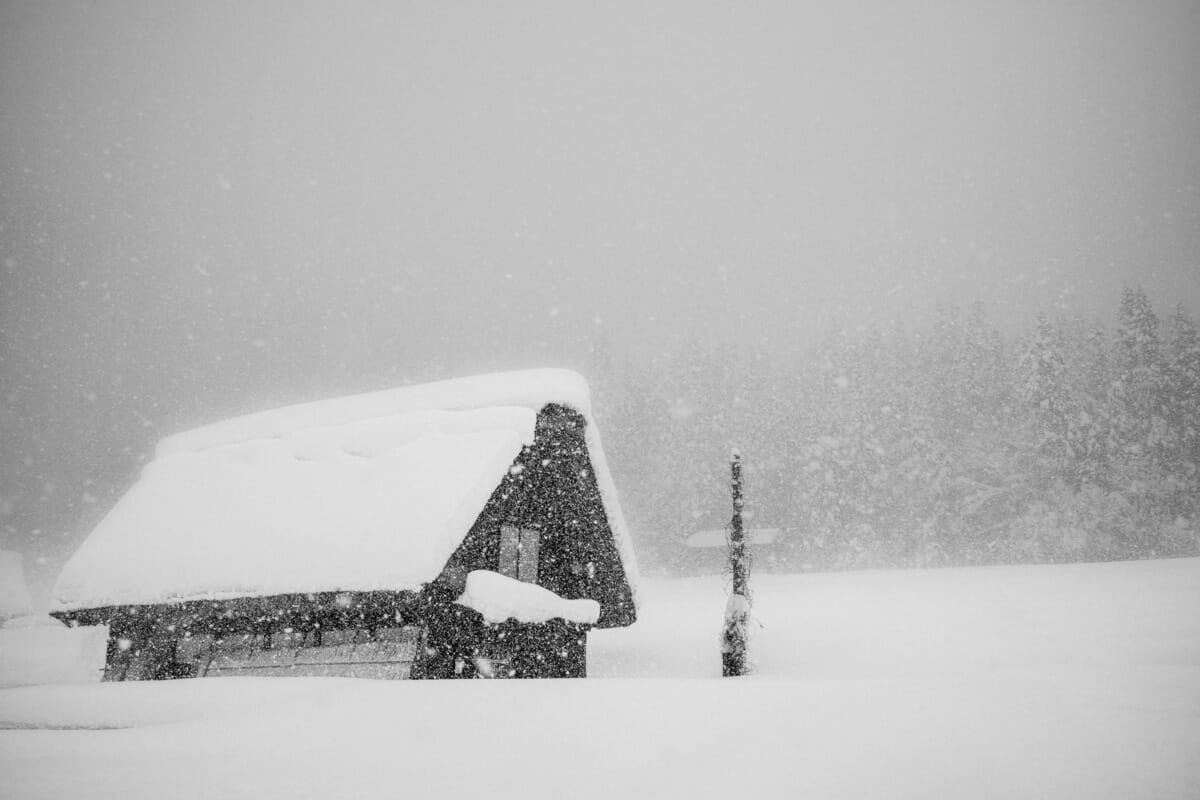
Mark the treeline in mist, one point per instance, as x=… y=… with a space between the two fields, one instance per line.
x=950 y=445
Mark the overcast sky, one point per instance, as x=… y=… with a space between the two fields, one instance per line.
x=217 y=206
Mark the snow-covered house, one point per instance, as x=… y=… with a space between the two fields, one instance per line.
x=448 y=529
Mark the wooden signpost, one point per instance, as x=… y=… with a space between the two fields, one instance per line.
x=737 y=609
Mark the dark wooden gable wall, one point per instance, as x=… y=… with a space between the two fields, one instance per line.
x=551 y=488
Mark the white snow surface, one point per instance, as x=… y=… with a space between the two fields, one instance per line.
x=14 y=593
x=367 y=492
x=499 y=598
x=525 y=388
x=361 y=507
x=1011 y=682
x=41 y=650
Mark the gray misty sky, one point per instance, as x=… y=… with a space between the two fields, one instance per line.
x=184 y=181
x=213 y=207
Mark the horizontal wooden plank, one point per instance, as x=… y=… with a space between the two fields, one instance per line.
x=380 y=671
x=385 y=652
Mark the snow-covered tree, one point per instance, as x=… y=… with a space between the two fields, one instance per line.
x=1181 y=405
x=1138 y=379
x=1047 y=392
x=1139 y=426
x=944 y=445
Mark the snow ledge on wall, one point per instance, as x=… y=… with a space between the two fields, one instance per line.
x=500 y=598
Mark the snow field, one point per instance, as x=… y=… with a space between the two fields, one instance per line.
x=41 y=650
x=1063 y=682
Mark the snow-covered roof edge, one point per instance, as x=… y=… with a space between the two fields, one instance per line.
x=527 y=388
x=214 y=525
x=612 y=507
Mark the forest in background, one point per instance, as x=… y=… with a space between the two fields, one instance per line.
x=950 y=445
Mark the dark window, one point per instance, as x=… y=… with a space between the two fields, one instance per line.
x=519 y=552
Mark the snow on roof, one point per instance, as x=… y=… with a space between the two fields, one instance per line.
x=359 y=493
x=498 y=598
x=526 y=389
x=719 y=537
x=14 y=593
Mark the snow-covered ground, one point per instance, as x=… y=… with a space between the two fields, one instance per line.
x=1057 y=682
x=41 y=650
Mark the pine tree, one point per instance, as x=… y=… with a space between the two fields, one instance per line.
x=1182 y=410
x=987 y=482
x=1138 y=375
x=1087 y=355
x=947 y=379
x=1139 y=428
x=984 y=381
x=1183 y=391
x=1046 y=392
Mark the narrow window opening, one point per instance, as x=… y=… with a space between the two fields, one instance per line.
x=510 y=550
x=527 y=569
x=519 y=551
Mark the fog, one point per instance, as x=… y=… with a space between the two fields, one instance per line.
x=214 y=208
